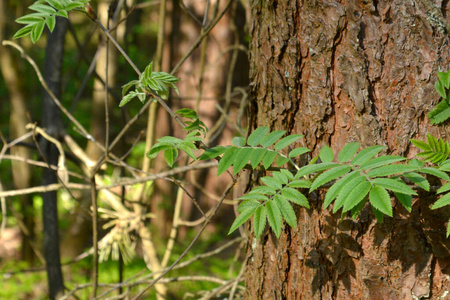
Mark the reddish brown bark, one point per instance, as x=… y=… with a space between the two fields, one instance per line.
x=338 y=72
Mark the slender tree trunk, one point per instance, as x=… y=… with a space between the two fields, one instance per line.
x=51 y=120
x=338 y=72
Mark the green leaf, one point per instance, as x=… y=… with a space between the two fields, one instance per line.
x=187 y=113
x=165 y=77
x=254 y=196
x=242 y=158
x=444 y=188
x=443 y=201
x=394 y=185
x=358 y=194
x=326 y=154
x=345 y=190
x=269 y=158
x=238 y=141
x=348 y=151
x=272 y=182
x=188 y=147
x=287 y=173
x=241 y=219
x=24 y=31
x=308 y=169
x=444 y=78
x=259 y=220
x=257 y=135
x=42 y=8
x=381 y=161
x=435 y=172
x=171 y=155
x=265 y=190
x=281 y=160
x=213 y=152
x=298 y=151
x=126 y=87
x=379 y=215
x=62 y=13
x=56 y=4
x=170 y=140
x=357 y=209
x=366 y=154
x=329 y=175
x=274 y=217
x=421 y=144
x=193 y=125
x=280 y=177
x=295 y=196
x=31 y=18
x=416 y=163
x=337 y=187
x=73 y=5
x=390 y=170
x=272 y=137
x=448 y=228
x=440 y=89
x=50 y=21
x=286 y=141
x=248 y=204
x=439 y=113
x=300 y=183
x=227 y=160
x=36 y=33
x=380 y=199
x=405 y=200
x=419 y=180
x=286 y=210
x=257 y=156
x=153 y=152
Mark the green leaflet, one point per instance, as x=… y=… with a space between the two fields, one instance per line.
x=248 y=204
x=346 y=190
x=286 y=141
x=443 y=201
x=300 y=183
x=329 y=175
x=390 y=170
x=298 y=151
x=326 y=154
x=440 y=113
x=269 y=158
x=238 y=141
x=394 y=185
x=419 y=180
x=308 y=169
x=381 y=161
x=286 y=210
x=366 y=154
x=380 y=199
x=405 y=200
x=242 y=158
x=444 y=188
x=252 y=195
x=295 y=196
x=255 y=138
x=265 y=190
x=274 y=217
x=288 y=174
x=259 y=220
x=358 y=194
x=280 y=177
x=227 y=160
x=241 y=219
x=257 y=156
x=272 y=182
x=271 y=138
x=336 y=188
x=435 y=172
x=281 y=160
x=171 y=155
x=448 y=228
x=348 y=151
x=213 y=152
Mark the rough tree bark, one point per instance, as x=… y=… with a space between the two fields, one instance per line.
x=52 y=122
x=338 y=72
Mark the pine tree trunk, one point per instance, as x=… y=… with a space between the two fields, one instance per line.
x=339 y=72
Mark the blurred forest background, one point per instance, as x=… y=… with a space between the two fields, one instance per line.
x=152 y=219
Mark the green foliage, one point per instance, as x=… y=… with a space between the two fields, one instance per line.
x=149 y=83
x=434 y=150
x=441 y=112
x=45 y=13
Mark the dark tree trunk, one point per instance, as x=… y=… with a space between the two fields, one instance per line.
x=52 y=122
x=338 y=72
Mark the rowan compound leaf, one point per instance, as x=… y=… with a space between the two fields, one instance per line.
x=346 y=190
x=286 y=210
x=336 y=188
x=366 y=154
x=348 y=151
x=394 y=185
x=381 y=161
x=357 y=195
x=271 y=138
x=259 y=221
x=242 y=158
x=298 y=151
x=272 y=182
x=435 y=172
x=405 y=200
x=390 y=170
x=286 y=141
x=274 y=217
x=418 y=179
x=257 y=156
x=326 y=154
x=256 y=136
x=380 y=199
x=227 y=160
x=329 y=175
x=241 y=219
x=269 y=158
x=443 y=201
